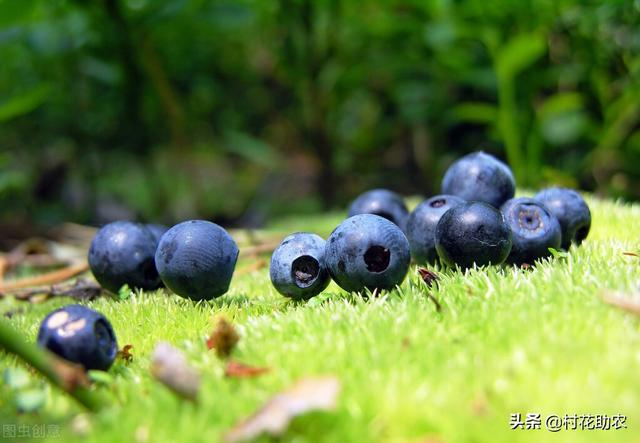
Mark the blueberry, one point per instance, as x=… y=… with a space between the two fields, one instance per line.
x=367 y=251
x=122 y=253
x=473 y=232
x=381 y=202
x=297 y=266
x=196 y=259
x=572 y=212
x=534 y=229
x=80 y=335
x=421 y=226
x=157 y=231
x=480 y=177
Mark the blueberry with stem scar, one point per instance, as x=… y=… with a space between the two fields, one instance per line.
x=534 y=229
x=367 y=251
x=297 y=268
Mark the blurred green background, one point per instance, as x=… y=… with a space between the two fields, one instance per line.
x=241 y=110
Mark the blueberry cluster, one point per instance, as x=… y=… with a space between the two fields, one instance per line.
x=476 y=221
x=195 y=259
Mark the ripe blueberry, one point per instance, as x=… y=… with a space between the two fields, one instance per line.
x=421 y=226
x=534 y=229
x=157 y=231
x=297 y=266
x=80 y=335
x=196 y=259
x=367 y=251
x=473 y=232
x=381 y=202
x=572 y=212
x=122 y=253
x=480 y=177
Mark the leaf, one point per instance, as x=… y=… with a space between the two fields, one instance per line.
x=519 y=53
x=125 y=354
x=476 y=112
x=428 y=277
x=236 y=369
x=170 y=367
x=223 y=338
x=23 y=103
x=310 y=394
x=560 y=255
x=125 y=292
x=30 y=400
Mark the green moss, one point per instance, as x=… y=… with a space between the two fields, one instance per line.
x=507 y=341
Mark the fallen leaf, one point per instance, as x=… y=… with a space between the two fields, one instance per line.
x=235 y=369
x=428 y=277
x=71 y=375
x=625 y=302
x=310 y=394
x=223 y=338
x=125 y=354
x=170 y=367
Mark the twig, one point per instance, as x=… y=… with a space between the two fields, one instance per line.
x=48 y=278
x=255 y=266
x=68 y=376
x=263 y=248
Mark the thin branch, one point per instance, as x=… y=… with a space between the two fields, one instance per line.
x=68 y=376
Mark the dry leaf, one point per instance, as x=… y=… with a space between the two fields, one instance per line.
x=70 y=375
x=125 y=354
x=223 y=338
x=170 y=367
x=310 y=394
x=235 y=369
x=628 y=303
x=428 y=277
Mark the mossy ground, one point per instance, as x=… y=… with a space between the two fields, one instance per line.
x=506 y=341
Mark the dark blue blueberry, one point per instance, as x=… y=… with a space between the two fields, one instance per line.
x=473 y=232
x=571 y=211
x=381 y=202
x=534 y=229
x=157 y=231
x=421 y=226
x=367 y=251
x=480 y=177
x=196 y=259
x=80 y=335
x=297 y=266
x=123 y=253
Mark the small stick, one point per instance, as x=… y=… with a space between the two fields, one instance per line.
x=48 y=278
x=68 y=376
x=251 y=267
x=265 y=247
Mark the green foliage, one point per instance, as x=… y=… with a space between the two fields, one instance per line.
x=272 y=106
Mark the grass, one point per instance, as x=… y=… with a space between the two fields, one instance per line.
x=507 y=341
